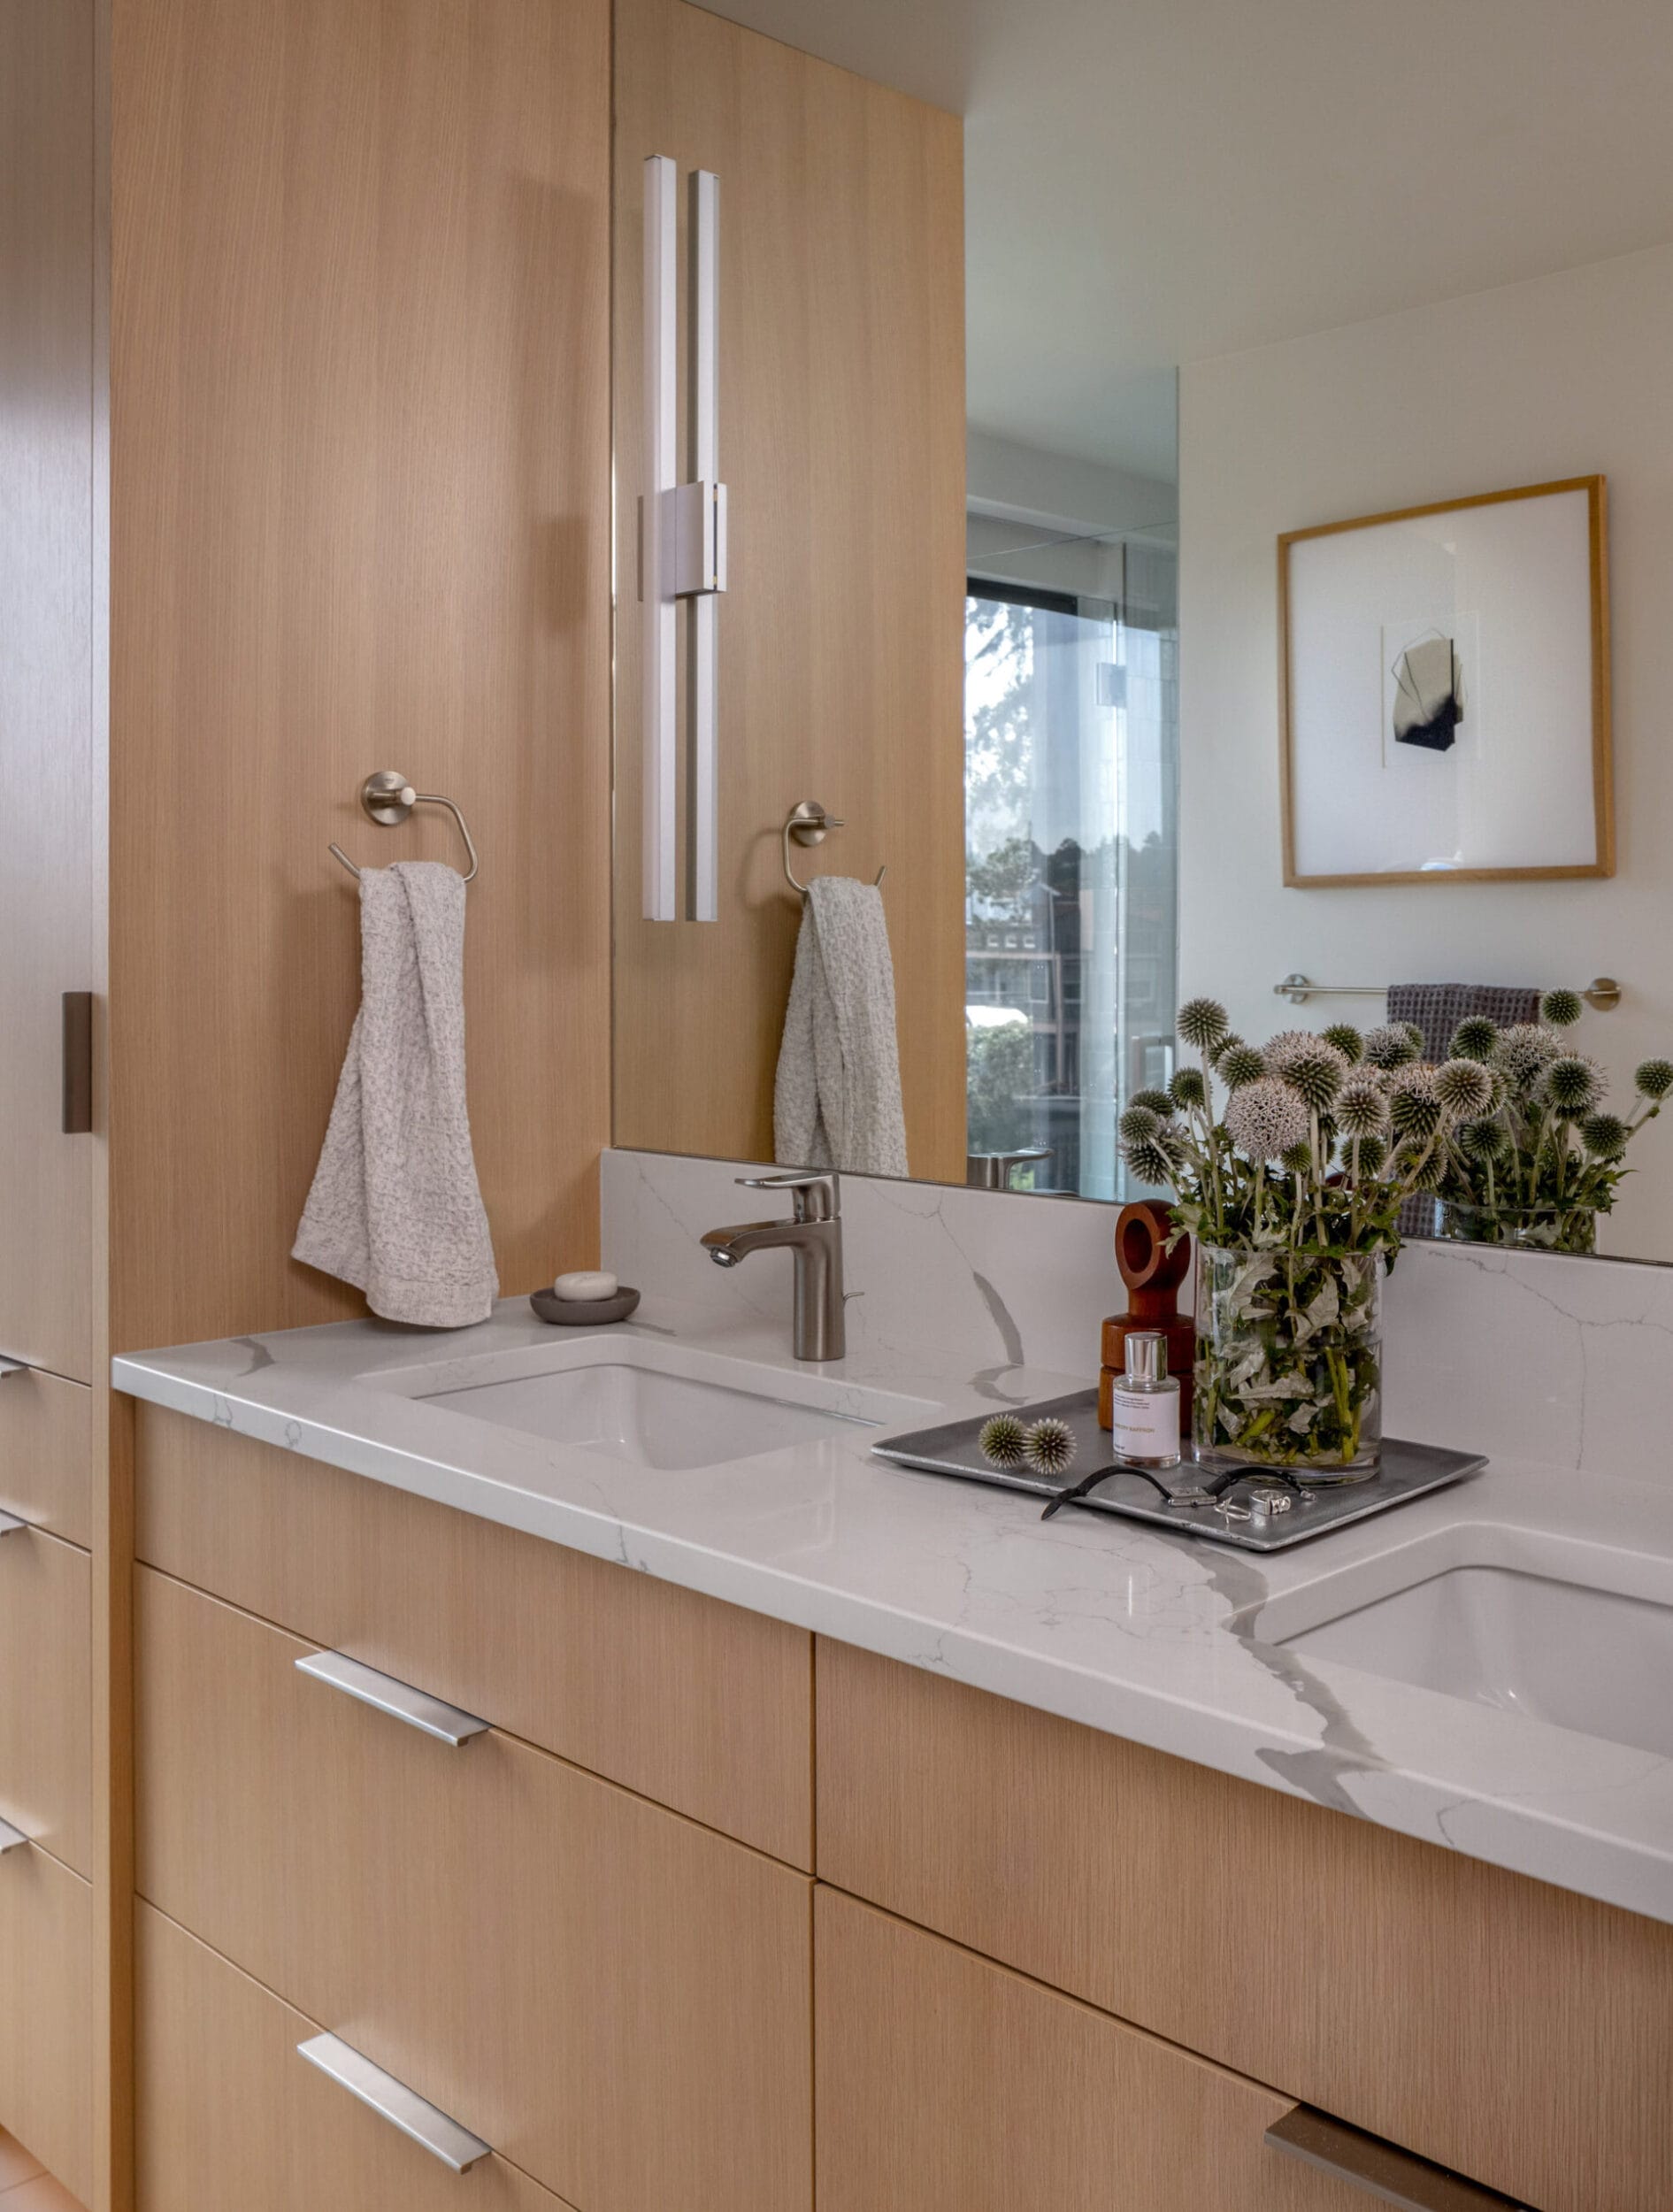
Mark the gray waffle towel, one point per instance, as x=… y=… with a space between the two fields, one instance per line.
x=394 y=1207
x=1437 y=1008
x=837 y=1099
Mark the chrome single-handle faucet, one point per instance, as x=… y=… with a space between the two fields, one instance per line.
x=814 y=1236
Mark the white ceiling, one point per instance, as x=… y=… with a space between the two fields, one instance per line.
x=1153 y=181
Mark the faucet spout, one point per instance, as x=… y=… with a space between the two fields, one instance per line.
x=813 y=1237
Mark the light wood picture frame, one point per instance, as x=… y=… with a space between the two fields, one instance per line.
x=1444 y=705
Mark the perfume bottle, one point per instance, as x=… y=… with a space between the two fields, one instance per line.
x=1144 y=1403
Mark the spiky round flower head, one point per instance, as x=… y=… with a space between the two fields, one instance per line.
x=1299 y=1159
x=1226 y=1044
x=1312 y=1066
x=1202 y=1022
x=1482 y=1140
x=1148 y=1161
x=1415 y=1108
x=1138 y=1124
x=1002 y=1439
x=1049 y=1445
x=1241 y=1064
x=1157 y=1101
x=1574 y=1085
x=1187 y=1089
x=1653 y=1078
x=1389 y=1045
x=1474 y=1037
x=1265 y=1118
x=1605 y=1136
x=1561 y=1009
x=1464 y=1088
x=1361 y=1108
x=1524 y=1053
x=1347 y=1042
x=1423 y=1171
x=1373 y=1156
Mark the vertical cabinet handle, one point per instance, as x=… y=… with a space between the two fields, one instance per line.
x=77 y=1120
x=430 y=1715
x=1382 y=2169
x=444 y=2137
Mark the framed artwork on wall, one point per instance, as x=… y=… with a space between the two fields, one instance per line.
x=1445 y=692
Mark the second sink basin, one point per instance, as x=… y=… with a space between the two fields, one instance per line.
x=652 y=1405
x=1576 y=1635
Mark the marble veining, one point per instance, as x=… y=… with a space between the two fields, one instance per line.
x=1137 y=1631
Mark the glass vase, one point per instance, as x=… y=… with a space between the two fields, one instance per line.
x=1289 y=1365
x=1524 y=1228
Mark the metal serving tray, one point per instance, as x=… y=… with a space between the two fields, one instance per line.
x=1407 y=1471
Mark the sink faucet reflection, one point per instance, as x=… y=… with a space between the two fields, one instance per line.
x=814 y=1236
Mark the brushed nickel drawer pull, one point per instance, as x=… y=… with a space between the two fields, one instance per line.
x=10 y=1524
x=429 y=1714
x=1382 y=2169
x=11 y=1838
x=444 y=2139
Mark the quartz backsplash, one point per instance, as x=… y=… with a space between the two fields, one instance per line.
x=1525 y=1355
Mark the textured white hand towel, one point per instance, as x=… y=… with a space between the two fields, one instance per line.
x=837 y=1098
x=394 y=1207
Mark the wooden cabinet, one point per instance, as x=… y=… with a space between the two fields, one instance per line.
x=613 y=1997
x=1516 y=2032
x=946 y=2084
x=46 y=2072
x=45 y=1712
x=46 y=1453
x=700 y=1705
x=231 y=2119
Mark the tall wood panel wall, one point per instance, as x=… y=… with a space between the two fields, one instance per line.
x=840 y=635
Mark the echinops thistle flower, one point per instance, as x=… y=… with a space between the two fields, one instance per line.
x=1002 y=1440
x=1187 y=1089
x=1313 y=1068
x=1158 y=1101
x=1464 y=1088
x=1474 y=1037
x=1561 y=1009
x=1361 y=1108
x=1653 y=1078
x=1265 y=1118
x=1148 y=1162
x=1574 y=1084
x=1605 y=1136
x=1524 y=1053
x=1202 y=1022
x=1415 y=1108
x=1299 y=1159
x=1049 y=1445
x=1482 y=1140
x=1389 y=1045
x=1241 y=1064
x=1138 y=1124
x=1347 y=1042
x=1373 y=1155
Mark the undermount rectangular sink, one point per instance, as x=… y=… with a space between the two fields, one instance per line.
x=1575 y=1635
x=666 y=1407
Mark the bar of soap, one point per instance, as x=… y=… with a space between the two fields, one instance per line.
x=584 y=1284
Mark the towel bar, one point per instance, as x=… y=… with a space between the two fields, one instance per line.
x=388 y=798
x=1602 y=993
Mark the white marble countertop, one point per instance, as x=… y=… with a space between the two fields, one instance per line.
x=1134 y=1631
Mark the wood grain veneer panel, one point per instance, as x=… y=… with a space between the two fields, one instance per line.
x=946 y=2083
x=47 y=799
x=45 y=1694
x=614 y=1997
x=46 y=1453
x=1515 y=2031
x=840 y=636
x=700 y=1705
x=229 y=2116
x=361 y=519
x=45 y=2041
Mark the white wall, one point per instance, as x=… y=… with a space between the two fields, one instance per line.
x=1566 y=376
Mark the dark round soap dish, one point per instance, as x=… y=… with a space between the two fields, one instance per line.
x=583 y=1313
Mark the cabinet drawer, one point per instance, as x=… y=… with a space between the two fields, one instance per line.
x=228 y=2116
x=948 y=2084
x=1496 y=2025
x=46 y=1453
x=45 y=1712
x=46 y=2047
x=614 y=1998
x=702 y=1706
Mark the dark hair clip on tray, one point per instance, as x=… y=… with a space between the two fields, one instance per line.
x=1261 y=1509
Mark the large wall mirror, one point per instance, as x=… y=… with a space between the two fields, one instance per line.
x=1198 y=514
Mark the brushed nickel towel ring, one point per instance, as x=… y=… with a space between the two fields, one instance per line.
x=807 y=822
x=388 y=798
